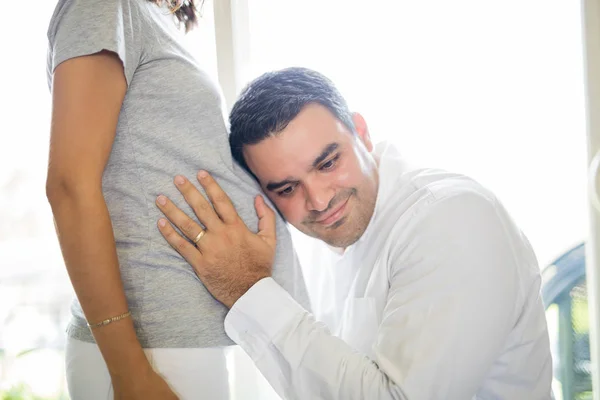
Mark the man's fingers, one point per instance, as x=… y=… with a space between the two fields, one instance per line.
x=266 y=221
x=202 y=208
x=182 y=246
x=185 y=224
x=219 y=199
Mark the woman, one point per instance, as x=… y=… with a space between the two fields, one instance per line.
x=132 y=108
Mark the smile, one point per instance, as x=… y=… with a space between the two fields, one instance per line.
x=335 y=215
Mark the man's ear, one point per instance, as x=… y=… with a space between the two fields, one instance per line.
x=362 y=130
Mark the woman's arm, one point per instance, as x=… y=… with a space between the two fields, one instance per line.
x=87 y=95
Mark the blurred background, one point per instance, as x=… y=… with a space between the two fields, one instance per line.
x=494 y=90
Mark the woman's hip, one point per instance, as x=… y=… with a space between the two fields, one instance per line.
x=191 y=372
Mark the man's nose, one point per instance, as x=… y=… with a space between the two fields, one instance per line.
x=318 y=197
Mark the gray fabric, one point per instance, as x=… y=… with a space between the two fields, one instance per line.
x=171 y=122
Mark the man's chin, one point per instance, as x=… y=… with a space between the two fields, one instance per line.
x=341 y=243
x=341 y=239
x=338 y=234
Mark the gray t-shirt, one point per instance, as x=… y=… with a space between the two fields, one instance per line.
x=171 y=122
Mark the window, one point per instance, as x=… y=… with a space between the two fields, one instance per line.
x=492 y=91
x=34 y=288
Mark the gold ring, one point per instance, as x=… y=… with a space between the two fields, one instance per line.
x=198 y=237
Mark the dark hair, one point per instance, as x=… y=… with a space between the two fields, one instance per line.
x=185 y=10
x=270 y=102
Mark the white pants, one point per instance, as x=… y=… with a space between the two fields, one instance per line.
x=211 y=373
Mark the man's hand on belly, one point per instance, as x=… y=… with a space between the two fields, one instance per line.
x=227 y=256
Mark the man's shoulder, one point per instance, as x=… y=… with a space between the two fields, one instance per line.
x=442 y=185
x=403 y=182
x=417 y=189
x=429 y=201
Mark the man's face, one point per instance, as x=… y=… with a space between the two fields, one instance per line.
x=321 y=176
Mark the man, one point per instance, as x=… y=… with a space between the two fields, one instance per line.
x=432 y=291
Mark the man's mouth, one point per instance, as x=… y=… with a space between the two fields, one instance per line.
x=334 y=215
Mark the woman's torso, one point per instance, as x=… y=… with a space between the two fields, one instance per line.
x=171 y=122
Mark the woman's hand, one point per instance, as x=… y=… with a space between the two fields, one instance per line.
x=227 y=256
x=145 y=386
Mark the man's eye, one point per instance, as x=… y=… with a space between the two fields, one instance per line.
x=329 y=164
x=287 y=191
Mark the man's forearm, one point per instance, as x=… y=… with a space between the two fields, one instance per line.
x=298 y=355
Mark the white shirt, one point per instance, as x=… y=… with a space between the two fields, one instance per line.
x=439 y=299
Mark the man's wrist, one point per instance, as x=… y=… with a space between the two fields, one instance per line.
x=243 y=289
x=262 y=312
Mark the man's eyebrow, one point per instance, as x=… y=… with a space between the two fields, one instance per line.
x=271 y=186
x=326 y=152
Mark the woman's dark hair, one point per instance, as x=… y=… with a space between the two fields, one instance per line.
x=186 y=11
